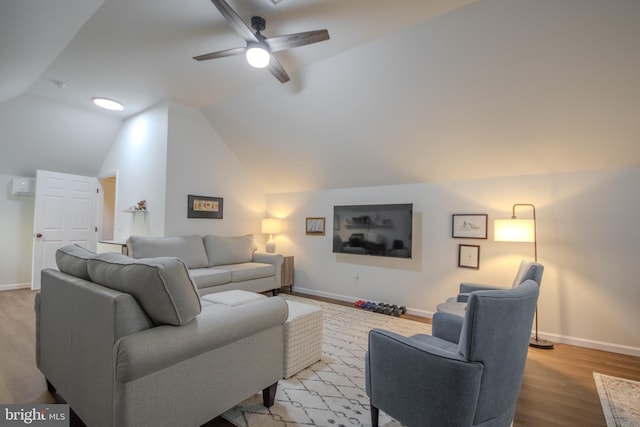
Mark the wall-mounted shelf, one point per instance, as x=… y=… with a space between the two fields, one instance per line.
x=137 y=211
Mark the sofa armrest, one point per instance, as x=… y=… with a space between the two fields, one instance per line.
x=447 y=326
x=149 y=351
x=467 y=288
x=275 y=259
x=78 y=324
x=400 y=371
x=462 y=297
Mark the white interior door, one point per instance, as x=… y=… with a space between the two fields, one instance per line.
x=65 y=213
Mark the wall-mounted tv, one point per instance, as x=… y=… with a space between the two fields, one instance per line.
x=377 y=230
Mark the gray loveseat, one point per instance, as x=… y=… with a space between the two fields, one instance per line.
x=130 y=342
x=216 y=263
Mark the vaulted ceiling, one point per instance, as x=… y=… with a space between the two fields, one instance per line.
x=406 y=91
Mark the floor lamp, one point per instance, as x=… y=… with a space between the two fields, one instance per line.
x=521 y=230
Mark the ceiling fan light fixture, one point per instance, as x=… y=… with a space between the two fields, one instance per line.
x=258 y=56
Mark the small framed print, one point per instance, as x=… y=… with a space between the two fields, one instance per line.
x=315 y=226
x=469 y=226
x=204 y=207
x=469 y=256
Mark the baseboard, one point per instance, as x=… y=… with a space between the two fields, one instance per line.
x=592 y=344
x=11 y=287
x=338 y=297
x=578 y=342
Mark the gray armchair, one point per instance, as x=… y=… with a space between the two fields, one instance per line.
x=468 y=373
x=528 y=270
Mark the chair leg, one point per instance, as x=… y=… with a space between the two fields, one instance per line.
x=375 y=412
x=269 y=395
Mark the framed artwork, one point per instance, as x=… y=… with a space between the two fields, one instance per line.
x=315 y=226
x=204 y=207
x=469 y=256
x=469 y=226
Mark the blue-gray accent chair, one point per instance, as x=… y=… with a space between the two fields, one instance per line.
x=468 y=373
x=528 y=270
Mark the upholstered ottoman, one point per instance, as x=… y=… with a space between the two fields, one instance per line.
x=302 y=337
x=302 y=329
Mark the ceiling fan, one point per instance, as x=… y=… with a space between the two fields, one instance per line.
x=259 y=45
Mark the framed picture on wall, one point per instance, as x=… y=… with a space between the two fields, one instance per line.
x=469 y=226
x=204 y=207
x=469 y=256
x=315 y=226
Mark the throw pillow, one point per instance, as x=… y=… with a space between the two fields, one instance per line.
x=162 y=286
x=188 y=248
x=72 y=259
x=229 y=250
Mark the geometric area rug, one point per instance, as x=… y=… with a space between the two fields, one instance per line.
x=331 y=392
x=620 y=399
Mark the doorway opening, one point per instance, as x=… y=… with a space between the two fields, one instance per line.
x=109 y=190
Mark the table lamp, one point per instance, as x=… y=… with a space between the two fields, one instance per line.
x=271 y=226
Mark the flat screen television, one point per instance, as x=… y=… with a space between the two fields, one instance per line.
x=377 y=230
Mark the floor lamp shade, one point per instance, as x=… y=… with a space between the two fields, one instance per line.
x=271 y=226
x=514 y=230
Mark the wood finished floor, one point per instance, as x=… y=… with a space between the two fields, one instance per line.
x=558 y=387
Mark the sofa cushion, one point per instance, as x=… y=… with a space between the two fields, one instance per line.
x=210 y=276
x=223 y=250
x=162 y=286
x=250 y=271
x=232 y=298
x=72 y=259
x=189 y=249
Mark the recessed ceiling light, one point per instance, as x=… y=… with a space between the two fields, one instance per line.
x=108 y=104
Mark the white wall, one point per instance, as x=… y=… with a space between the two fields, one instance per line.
x=588 y=234
x=139 y=155
x=200 y=163
x=167 y=153
x=16 y=229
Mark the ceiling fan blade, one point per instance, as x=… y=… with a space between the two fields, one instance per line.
x=289 y=41
x=276 y=69
x=238 y=25
x=221 y=54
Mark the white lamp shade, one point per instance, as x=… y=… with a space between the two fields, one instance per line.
x=258 y=57
x=514 y=230
x=271 y=226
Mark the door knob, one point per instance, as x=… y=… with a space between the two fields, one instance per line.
x=39 y=235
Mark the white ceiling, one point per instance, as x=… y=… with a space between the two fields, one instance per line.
x=405 y=91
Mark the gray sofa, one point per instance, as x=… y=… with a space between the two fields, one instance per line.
x=129 y=342
x=216 y=263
